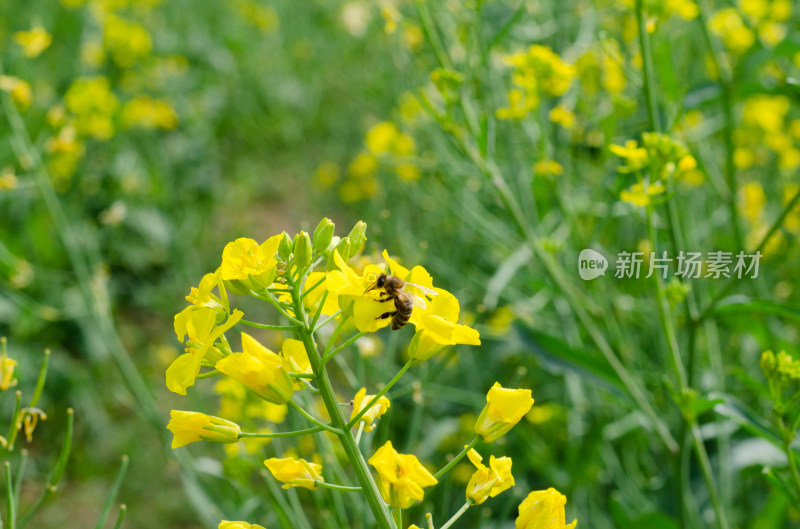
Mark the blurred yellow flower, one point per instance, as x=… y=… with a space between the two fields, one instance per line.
x=7 y=366
x=225 y=524
x=635 y=157
x=126 y=41
x=402 y=476
x=259 y=369
x=91 y=101
x=375 y=412
x=8 y=180
x=752 y=200
x=488 y=482
x=729 y=26
x=33 y=42
x=637 y=195
x=20 y=90
x=190 y=427
x=379 y=139
x=145 y=112
x=543 y=509
x=547 y=167
x=504 y=408
x=562 y=116
x=295 y=472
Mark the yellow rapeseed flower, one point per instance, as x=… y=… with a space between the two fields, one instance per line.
x=20 y=90
x=295 y=472
x=375 y=412
x=637 y=195
x=729 y=26
x=7 y=366
x=8 y=180
x=635 y=157
x=190 y=427
x=33 y=42
x=562 y=116
x=402 y=476
x=225 y=524
x=295 y=359
x=259 y=369
x=543 y=509
x=246 y=260
x=488 y=482
x=504 y=408
x=199 y=326
x=127 y=41
x=145 y=112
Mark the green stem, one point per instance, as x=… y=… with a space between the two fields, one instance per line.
x=647 y=57
x=11 y=505
x=342 y=488
x=308 y=291
x=457 y=515
x=453 y=462
x=398 y=517
x=327 y=320
x=350 y=341
x=268 y=435
x=705 y=468
x=269 y=327
x=380 y=394
x=312 y=419
x=369 y=488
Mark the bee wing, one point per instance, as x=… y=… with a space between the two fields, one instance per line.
x=425 y=290
x=418 y=301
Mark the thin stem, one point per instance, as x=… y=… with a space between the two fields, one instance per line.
x=327 y=320
x=318 y=314
x=342 y=347
x=792 y=460
x=705 y=468
x=268 y=435
x=380 y=394
x=302 y=375
x=313 y=419
x=11 y=504
x=307 y=291
x=209 y=374
x=398 y=517
x=269 y=327
x=360 y=431
x=453 y=462
x=457 y=515
x=383 y=519
x=269 y=298
x=342 y=488
x=649 y=84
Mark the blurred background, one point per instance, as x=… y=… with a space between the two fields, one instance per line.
x=138 y=137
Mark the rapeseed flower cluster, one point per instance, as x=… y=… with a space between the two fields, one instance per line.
x=662 y=157
x=281 y=272
x=536 y=71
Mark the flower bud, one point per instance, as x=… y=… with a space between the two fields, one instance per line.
x=285 y=247
x=302 y=250
x=768 y=363
x=323 y=235
x=343 y=248
x=357 y=236
x=504 y=408
x=189 y=427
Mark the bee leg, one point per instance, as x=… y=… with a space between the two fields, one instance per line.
x=386 y=315
x=384 y=299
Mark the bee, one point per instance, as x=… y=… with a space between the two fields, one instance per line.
x=404 y=302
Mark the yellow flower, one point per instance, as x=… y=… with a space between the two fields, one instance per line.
x=488 y=482
x=8 y=180
x=402 y=476
x=33 y=42
x=375 y=412
x=93 y=103
x=379 y=139
x=562 y=116
x=225 y=524
x=190 y=427
x=635 y=157
x=7 y=366
x=547 y=167
x=729 y=26
x=637 y=196
x=504 y=408
x=295 y=472
x=312 y=299
x=127 y=41
x=543 y=509
x=202 y=295
x=20 y=90
x=295 y=359
x=244 y=259
x=148 y=113
x=198 y=324
x=259 y=369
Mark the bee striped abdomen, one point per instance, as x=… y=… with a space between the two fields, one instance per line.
x=404 y=305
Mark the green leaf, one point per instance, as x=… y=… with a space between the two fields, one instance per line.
x=557 y=351
x=746 y=306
